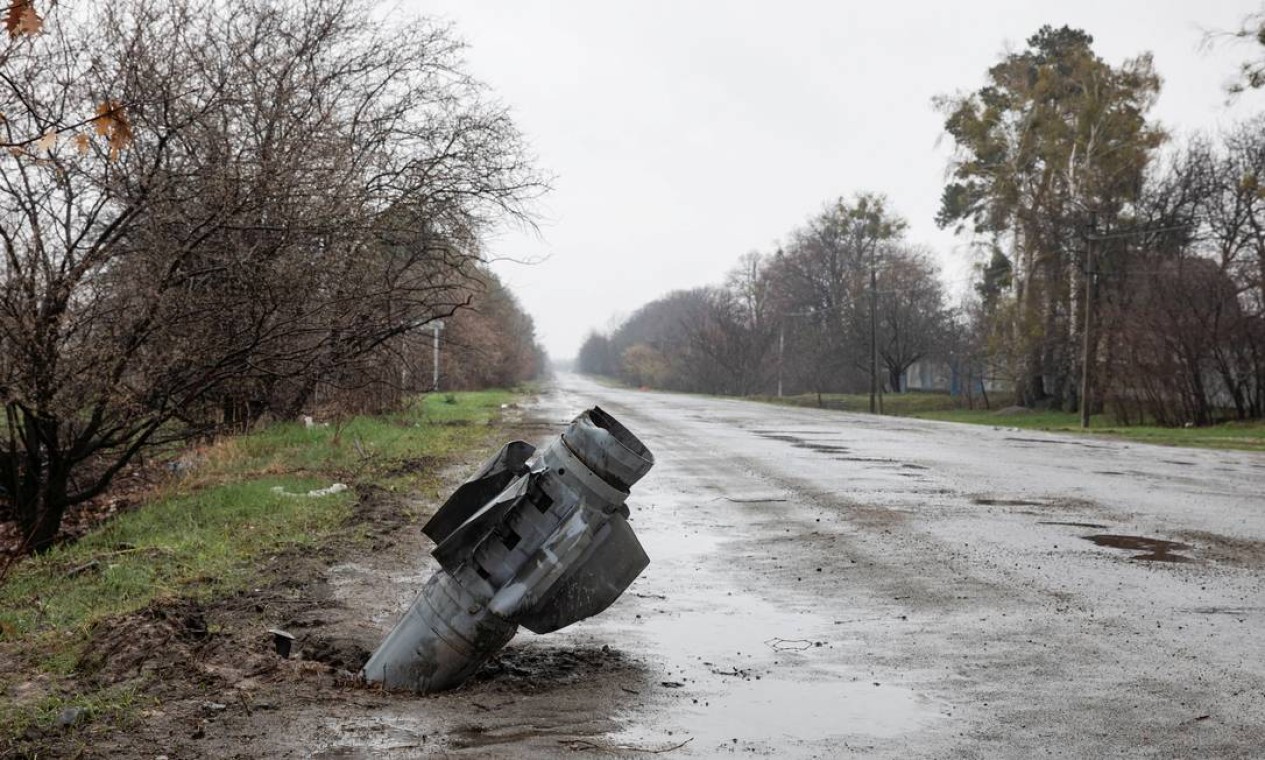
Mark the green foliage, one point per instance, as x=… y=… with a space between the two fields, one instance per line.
x=1056 y=142
x=184 y=544
x=202 y=536
x=428 y=426
x=116 y=705
x=1054 y=129
x=1245 y=436
x=1252 y=70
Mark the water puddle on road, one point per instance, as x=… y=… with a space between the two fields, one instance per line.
x=770 y=711
x=369 y=737
x=1153 y=549
x=1006 y=503
x=746 y=673
x=810 y=711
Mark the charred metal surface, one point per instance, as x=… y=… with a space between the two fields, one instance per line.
x=536 y=537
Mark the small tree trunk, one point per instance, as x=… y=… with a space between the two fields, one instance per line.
x=894 y=376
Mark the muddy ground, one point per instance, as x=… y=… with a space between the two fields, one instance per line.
x=821 y=585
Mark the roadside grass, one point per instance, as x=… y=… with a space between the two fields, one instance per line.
x=201 y=535
x=1246 y=436
x=897 y=404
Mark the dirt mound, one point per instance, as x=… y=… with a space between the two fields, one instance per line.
x=340 y=653
x=152 y=639
x=534 y=667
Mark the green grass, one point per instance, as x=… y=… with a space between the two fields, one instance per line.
x=183 y=544
x=431 y=426
x=203 y=535
x=117 y=705
x=1247 y=436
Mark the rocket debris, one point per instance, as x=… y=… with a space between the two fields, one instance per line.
x=537 y=537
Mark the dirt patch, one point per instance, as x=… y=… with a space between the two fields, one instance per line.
x=537 y=667
x=146 y=643
x=419 y=466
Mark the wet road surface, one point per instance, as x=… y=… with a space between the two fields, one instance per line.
x=834 y=585
x=825 y=584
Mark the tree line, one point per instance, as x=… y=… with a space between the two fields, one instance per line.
x=1109 y=250
x=302 y=191
x=845 y=289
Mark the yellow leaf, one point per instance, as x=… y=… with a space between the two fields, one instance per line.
x=48 y=141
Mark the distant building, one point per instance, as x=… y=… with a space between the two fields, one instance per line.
x=941 y=376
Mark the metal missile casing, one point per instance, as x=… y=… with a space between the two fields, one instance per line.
x=537 y=537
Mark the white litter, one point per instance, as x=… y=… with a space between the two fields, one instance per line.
x=327 y=491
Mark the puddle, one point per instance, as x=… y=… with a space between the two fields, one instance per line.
x=823 y=448
x=781 y=437
x=801 y=443
x=773 y=710
x=369 y=737
x=1006 y=503
x=1091 y=526
x=1153 y=549
x=664 y=548
x=1057 y=442
x=726 y=678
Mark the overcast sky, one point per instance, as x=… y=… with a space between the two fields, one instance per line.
x=684 y=134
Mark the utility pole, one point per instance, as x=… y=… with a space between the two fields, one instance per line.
x=781 y=348
x=1086 y=333
x=781 y=343
x=875 y=404
x=437 y=325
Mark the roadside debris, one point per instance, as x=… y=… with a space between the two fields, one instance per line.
x=317 y=493
x=282 y=641
x=538 y=538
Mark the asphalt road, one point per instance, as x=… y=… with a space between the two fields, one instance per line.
x=825 y=584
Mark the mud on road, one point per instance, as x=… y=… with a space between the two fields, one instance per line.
x=821 y=585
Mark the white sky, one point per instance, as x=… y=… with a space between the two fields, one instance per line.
x=684 y=134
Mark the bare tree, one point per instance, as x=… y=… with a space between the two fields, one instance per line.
x=303 y=186
x=913 y=319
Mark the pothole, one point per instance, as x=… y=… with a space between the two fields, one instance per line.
x=1153 y=549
